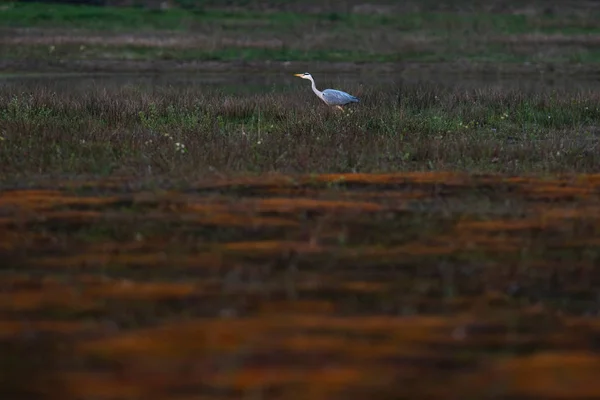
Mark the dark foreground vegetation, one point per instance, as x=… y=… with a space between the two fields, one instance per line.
x=415 y=285
x=191 y=131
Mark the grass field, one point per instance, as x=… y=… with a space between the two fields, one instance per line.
x=79 y=33
x=413 y=127
x=205 y=228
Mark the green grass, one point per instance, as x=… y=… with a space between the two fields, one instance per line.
x=196 y=130
x=135 y=19
x=130 y=19
x=490 y=54
x=225 y=35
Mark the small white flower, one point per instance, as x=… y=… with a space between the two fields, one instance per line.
x=180 y=147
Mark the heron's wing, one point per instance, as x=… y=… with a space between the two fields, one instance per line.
x=337 y=97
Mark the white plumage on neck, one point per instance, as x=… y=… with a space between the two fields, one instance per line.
x=314 y=88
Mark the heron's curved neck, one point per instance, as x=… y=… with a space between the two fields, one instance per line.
x=314 y=88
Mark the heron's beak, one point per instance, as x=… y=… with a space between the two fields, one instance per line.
x=299 y=75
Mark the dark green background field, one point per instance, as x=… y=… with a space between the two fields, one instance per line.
x=182 y=218
x=383 y=33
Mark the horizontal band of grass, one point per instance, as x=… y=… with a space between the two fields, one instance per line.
x=230 y=49
x=144 y=53
x=192 y=130
x=135 y=19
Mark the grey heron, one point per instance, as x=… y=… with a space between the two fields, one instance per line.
x=331 y=97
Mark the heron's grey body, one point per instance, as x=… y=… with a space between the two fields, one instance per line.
x=331 y=97
x=338 y=98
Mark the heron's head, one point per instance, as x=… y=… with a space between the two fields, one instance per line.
x=305 y=75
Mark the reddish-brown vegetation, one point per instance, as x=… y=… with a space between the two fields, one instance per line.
x=415 y=285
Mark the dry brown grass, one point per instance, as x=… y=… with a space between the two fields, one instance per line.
x=331 y=282
x=173 y=40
